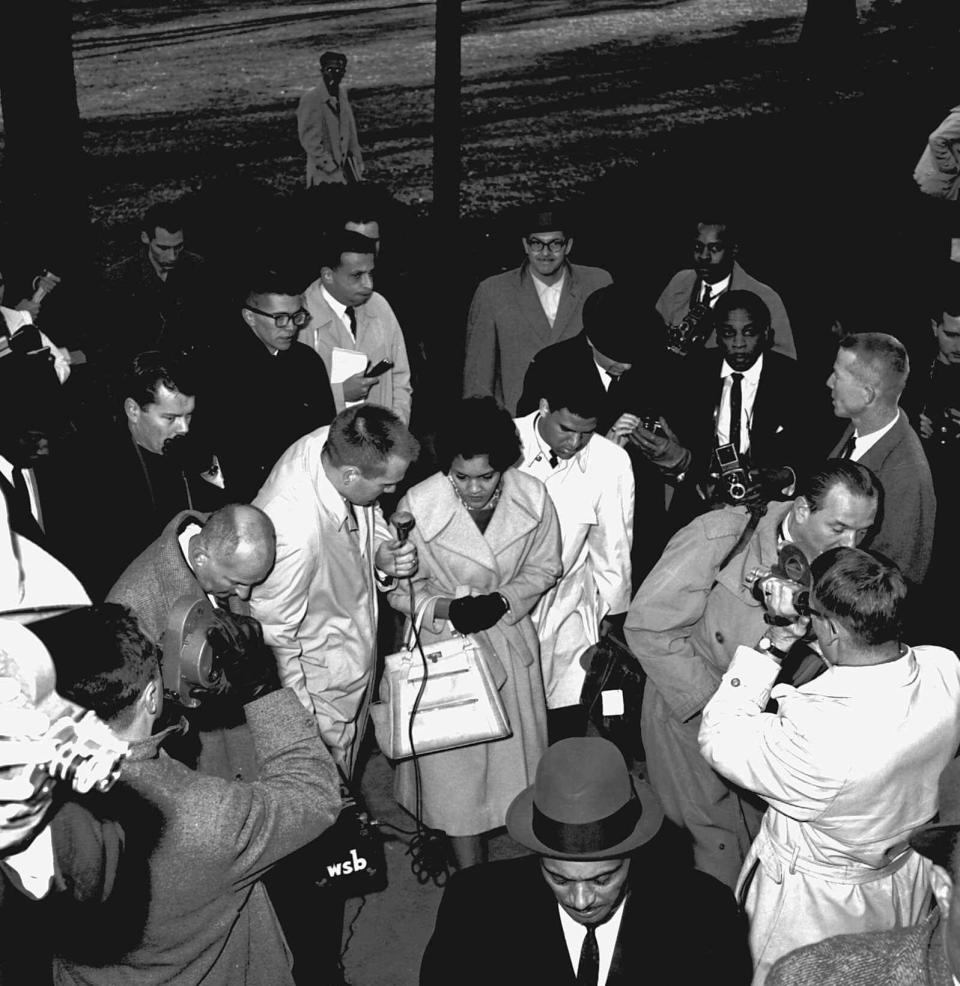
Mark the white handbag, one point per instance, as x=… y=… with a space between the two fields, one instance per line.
x=446 y=691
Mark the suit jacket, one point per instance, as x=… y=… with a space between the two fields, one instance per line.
x=507 y=327
x=378 y=337
x=151 y=585
x=674 y=303
x=913 y=956
x=293 y=397
x=188 y=904
x=905 y=525
x=328 y=138
x=500 y=923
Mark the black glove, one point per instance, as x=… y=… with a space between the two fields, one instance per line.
x=470 y=614
x=767 y=484
x=244 y=659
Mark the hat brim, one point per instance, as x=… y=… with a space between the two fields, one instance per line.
x=520 y=826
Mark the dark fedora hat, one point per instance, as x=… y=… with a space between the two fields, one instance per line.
x=583 y=804
x=618 y=328
x=935 y=840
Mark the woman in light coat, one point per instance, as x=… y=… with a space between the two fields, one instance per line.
x=488 y=543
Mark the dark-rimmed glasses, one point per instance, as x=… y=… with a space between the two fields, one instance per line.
x=283 y=319
x=540 y=246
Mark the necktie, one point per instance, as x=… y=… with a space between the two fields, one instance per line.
x=353 y=525
x=736 y=410
x=553 y=460
x=352 y=316
x=707 y=292
x=588 y=971
x=848 y=446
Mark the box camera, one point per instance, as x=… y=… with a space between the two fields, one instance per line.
x=692 y=332
x=733 y=475
x=188 y=660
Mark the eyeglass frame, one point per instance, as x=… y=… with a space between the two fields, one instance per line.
x=276 y=316
x=555 y=246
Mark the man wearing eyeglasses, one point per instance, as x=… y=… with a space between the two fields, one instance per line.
x=285 y=388
x=516 y=314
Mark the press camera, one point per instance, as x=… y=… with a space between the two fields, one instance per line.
x=791 y=570
x=692 y=331
x=732 y=474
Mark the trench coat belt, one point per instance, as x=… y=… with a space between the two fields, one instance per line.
x=774 y=857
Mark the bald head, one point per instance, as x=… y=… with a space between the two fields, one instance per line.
x=234 y=552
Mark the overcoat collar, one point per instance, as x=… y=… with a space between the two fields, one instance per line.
x=448 y=524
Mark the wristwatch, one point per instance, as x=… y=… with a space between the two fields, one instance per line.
x=766 y=646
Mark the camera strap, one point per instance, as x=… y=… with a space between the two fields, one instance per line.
x=756 y=512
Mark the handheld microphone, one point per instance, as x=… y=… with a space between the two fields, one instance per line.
x=403 y=522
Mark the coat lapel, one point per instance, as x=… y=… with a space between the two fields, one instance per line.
x=529 y=303
x=515 y=517
x=569 y=304
x=444 y=521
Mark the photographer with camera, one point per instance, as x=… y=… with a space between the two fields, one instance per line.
x=685 y=623
x=213 y=559
x=184 y=902
x=848 y=764
x=744 y=419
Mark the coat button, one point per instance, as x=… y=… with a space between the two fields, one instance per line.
x=735 y=682
x=719 y=637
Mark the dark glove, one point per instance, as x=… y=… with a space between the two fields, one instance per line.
x=767 y=484
x=244 y=659
x=470 y=614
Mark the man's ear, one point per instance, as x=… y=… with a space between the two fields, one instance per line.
x=870 y=392
x=349 y=475
x=247 y=316
x=544 y=406
x=801 y=510
x=942 y=886
x=569 y=246
x=326 y=275
x=152 y=696
x=132 y=410
x=144 y=239
x=934 y=327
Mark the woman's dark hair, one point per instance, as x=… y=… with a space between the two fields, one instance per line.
x=478 y=426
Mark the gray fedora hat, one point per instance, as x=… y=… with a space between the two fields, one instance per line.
x=583 y=804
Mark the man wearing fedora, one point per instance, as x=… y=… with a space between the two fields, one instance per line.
x=925 y=954
x=848 y=764
x=516 y=314
x=598 y=904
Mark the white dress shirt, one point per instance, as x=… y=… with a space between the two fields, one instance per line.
x=715 y=289
x=339 y=309
x=605 y=377
x=549 y=295
x=748 y=392
x=863 y=443
x=574 y=933
x=7 y=469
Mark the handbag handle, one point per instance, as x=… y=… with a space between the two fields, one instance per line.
x=417 y=621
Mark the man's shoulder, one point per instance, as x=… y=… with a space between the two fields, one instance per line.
x=565 y=350
x=377 y=306
x=725 y=523
x=292 y=479
x=606 y=457
x=512 y=883
x=313 y=98
x=507 y=281
x=744 y=281
x=589 y=278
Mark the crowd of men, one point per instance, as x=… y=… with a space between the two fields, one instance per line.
x=763 y=543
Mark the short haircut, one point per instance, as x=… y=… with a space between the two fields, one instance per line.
x=274 y=273
x=361 y=202
x=145 y=372
x=366 y=436
x=230 y=526
x=332 y=56
x=103 y=659
x=852 y=476
x=163 y=215
x=864 y=592
x=567 y=383
x=882 y=361
x=730 y=232
x=478 y=426
x=340 y=241
x=753 y=305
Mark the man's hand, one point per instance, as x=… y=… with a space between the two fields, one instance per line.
x=622 y=427
x=663 y=450
x=25 y=788
x=926 y=426
x=397 y=558
x=767 y=483
x=778 y=597
x=357 y=387
x=245 y=660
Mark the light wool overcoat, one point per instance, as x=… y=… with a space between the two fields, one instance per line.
x=849 y=765
x=318 y=606
x=467 y=791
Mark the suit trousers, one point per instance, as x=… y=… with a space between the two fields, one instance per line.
x=721 y=818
